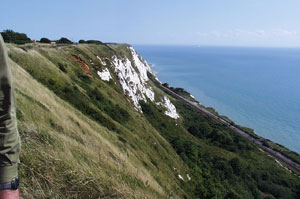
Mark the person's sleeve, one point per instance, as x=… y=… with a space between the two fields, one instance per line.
x=9 y=135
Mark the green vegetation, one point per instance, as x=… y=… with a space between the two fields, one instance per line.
x=89 y=42
x=45 y=40
x=64 y=40
x=223 y=164
x=82 y=138
x=275 y=146
x=10 y=36
x=180 y=91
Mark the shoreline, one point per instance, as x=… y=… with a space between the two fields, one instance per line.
x=255 y=100
x=236 y=128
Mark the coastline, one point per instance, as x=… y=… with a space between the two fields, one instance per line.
x=254 y=87
x=262 y=144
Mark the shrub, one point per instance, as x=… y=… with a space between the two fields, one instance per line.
x=62 y=67
x=113 y=110
x=64 y=40
x=269 y=197
x=89 y=42
x=166 y=85
x=146 y=108
x=191 y=150
x=205 y=129
x=194 y=131
x=236 y=165
x=10 y=36
x=232 y=195
x=222 y=137
x=202 y=130
x=45 y=40
x=93 y=42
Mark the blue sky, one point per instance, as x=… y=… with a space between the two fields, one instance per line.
x=183 y=22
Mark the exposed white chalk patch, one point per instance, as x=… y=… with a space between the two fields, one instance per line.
x=171 y=109
x=132 y=84
x=180 y=177
x=105 y=75
x=188 y=177
x=141 y=65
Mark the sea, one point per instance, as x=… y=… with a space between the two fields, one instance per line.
x=255 y=87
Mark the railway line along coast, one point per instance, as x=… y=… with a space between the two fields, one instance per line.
x=277 y=155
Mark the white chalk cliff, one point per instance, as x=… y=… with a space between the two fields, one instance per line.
x=133 y=77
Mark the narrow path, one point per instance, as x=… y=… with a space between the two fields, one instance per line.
x=273 y=153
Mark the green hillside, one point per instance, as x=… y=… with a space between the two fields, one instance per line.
x=83 y=137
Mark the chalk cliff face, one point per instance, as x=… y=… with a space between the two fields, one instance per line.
x=132 y=73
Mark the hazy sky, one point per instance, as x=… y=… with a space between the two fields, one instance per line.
x=197 y=22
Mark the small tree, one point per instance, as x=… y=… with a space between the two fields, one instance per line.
x=45 y=40
x=205 y=129
x=10 y=36
x=236 y=165
x=93 y=42
x=81 y=41
x=62 y=67
x=64 y=40
x=166 y=85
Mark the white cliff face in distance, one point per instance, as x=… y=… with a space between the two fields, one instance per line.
x=134 y=79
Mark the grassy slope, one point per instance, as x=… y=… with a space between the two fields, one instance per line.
x=70 y=153
x=65 y=154
x=212 y=160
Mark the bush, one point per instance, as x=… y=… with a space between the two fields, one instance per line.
x=62 y=67
x=93 y=42
x=232 y=195
x=191 y=150
x=269 y=197
x=205 y=129
x=64 y=40
x=116 y=112
x=10 y=36
x=236 y=165
x=146 y=108
x=166 y=85
x=89 y=42
x=194 y=131
x=276 y=190
x=45 y=40
x=222 y=137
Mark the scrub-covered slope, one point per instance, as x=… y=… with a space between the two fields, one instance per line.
x=95 y=122
x=82 y=137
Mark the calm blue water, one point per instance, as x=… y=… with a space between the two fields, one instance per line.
x=255 y=87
